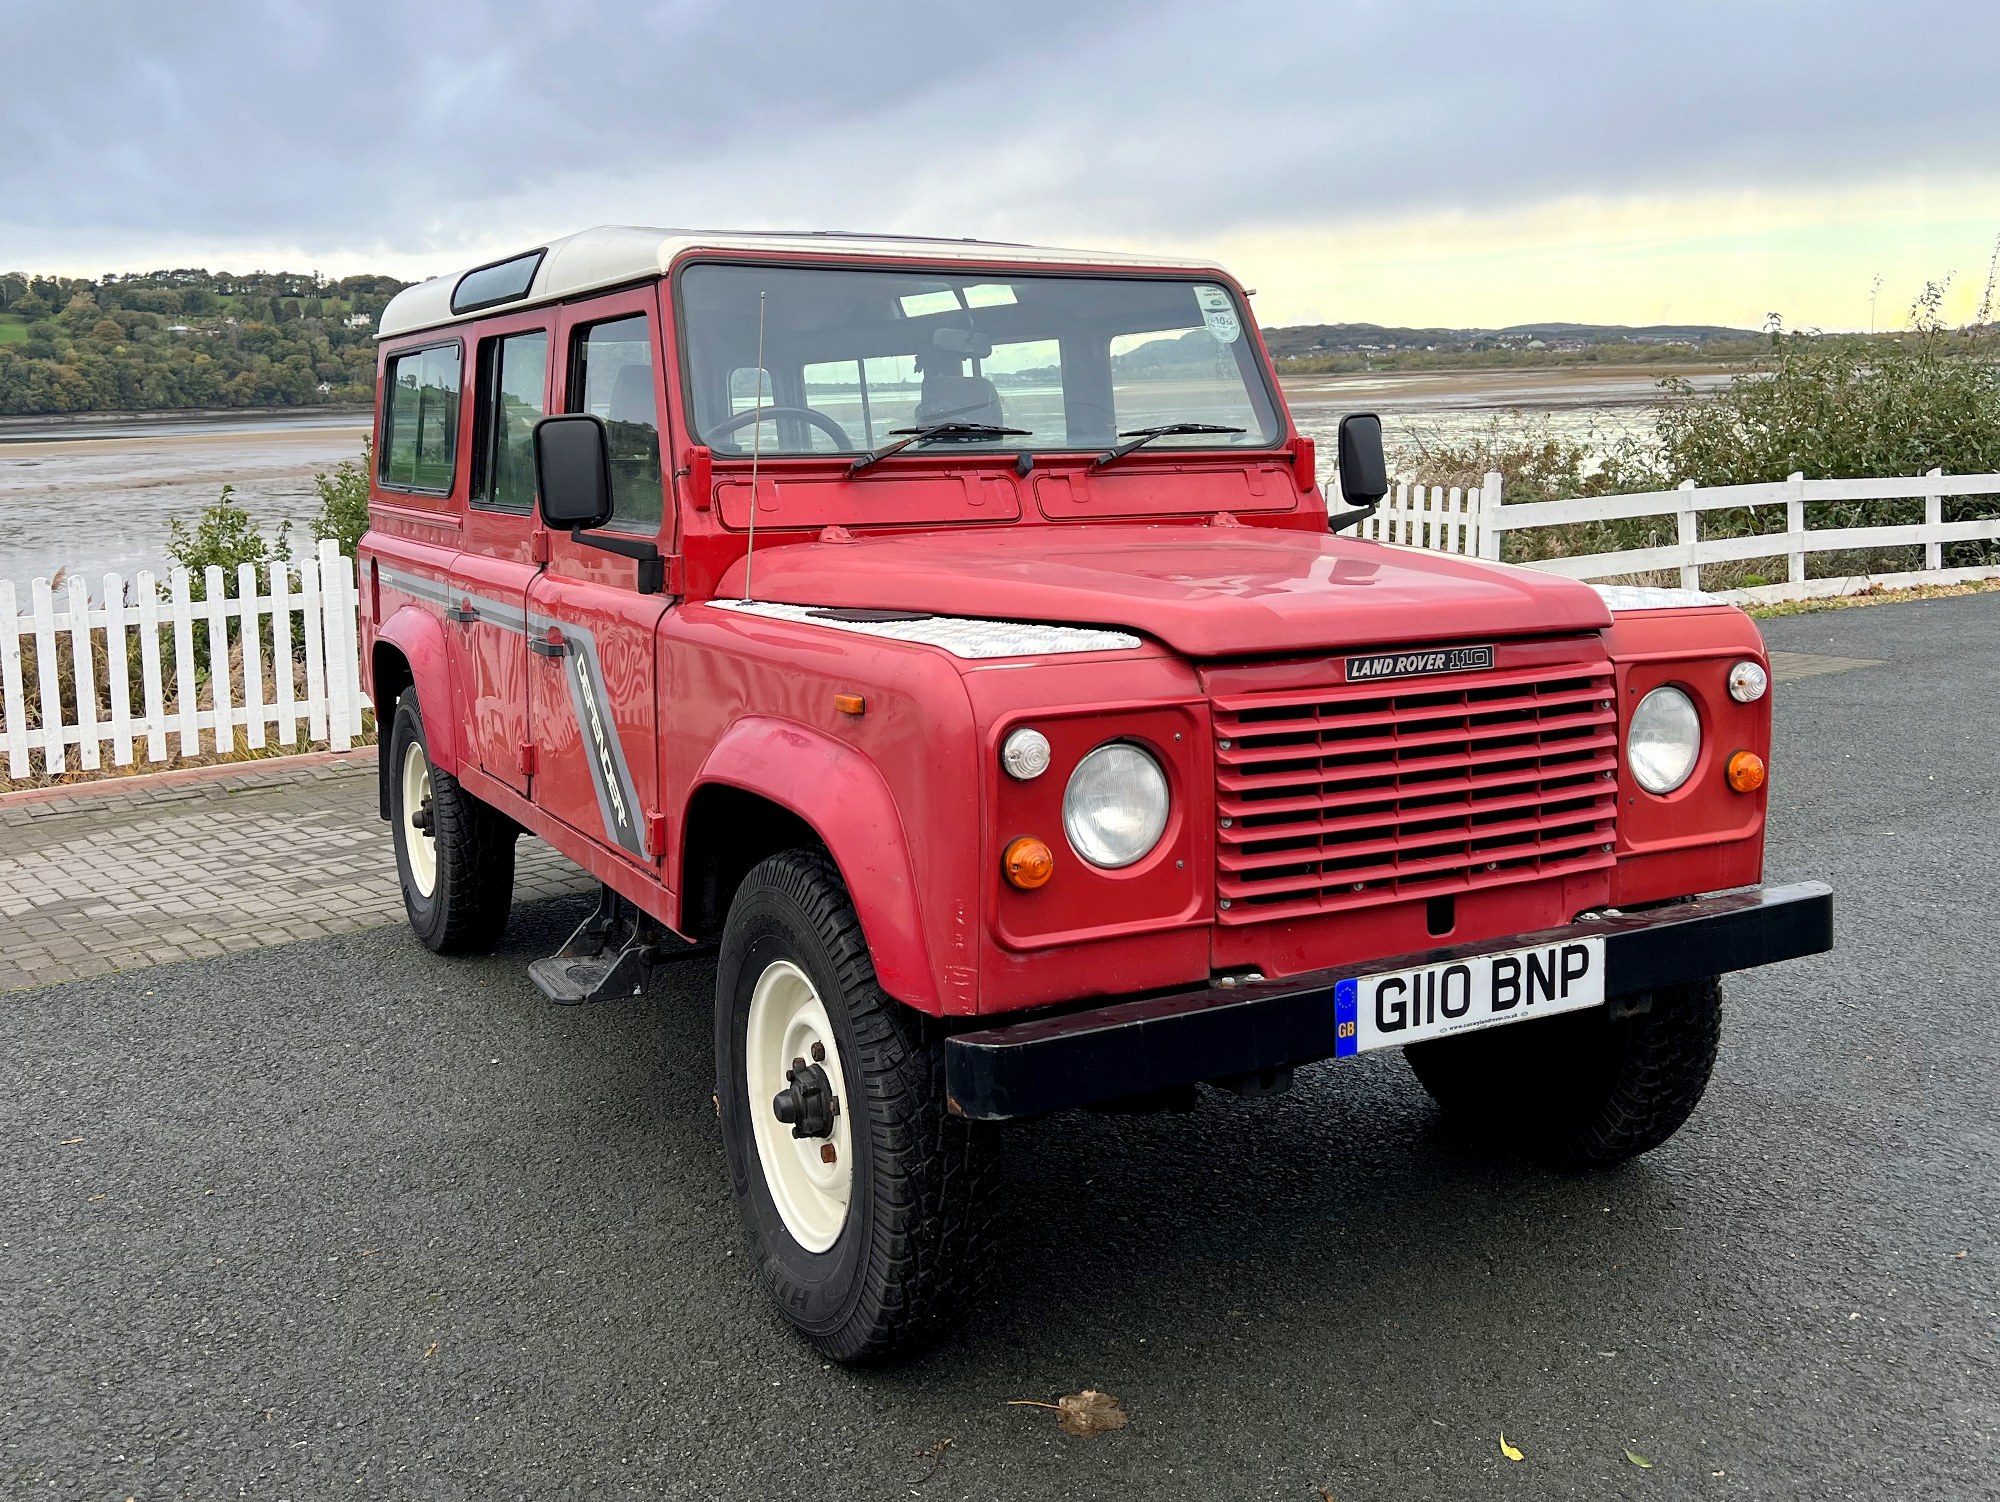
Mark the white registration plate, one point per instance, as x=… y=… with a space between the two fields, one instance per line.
x=1396 y=1007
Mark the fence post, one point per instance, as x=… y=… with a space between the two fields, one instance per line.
x=253 y=654
x=1689 y=519
x=281 y=653
x=149 y=665
x=12 y=700
x=55 y=758
x=1934 y=517
x=83 y=669
x=339 y=660
x=117 y=670
x=1795 y=527
x=312 y=626
x=1489 y=506
x=184 y=687
x=216 y=604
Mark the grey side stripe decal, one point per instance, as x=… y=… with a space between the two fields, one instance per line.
x=604 y=753
x=617 y=798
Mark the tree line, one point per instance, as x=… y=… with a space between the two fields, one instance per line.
x=162 y=340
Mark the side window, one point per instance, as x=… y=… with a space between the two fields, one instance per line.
x=420 y=421
x=513 y=373
x=611 y=375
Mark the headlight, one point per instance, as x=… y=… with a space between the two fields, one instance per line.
x=1664 y=740
x=1115 y=807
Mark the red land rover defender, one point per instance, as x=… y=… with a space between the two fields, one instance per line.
x=953 y=634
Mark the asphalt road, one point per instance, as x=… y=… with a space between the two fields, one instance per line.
x=345 y=1220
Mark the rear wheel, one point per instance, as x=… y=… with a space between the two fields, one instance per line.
x=1585 y=1090
x=455 y=854
x=864 y=1198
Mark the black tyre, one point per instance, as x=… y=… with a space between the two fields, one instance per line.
x=1588 y=1089
x=455 y=854
x=865 y=1200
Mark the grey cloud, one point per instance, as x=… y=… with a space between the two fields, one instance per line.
x=419 y=128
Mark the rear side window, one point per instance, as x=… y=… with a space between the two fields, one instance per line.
x=611 y=376
x=420 y=420
x=513 y=373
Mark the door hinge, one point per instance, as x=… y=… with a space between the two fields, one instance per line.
x=524 y=758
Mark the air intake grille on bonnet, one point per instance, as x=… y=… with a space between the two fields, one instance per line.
x=1350 y=796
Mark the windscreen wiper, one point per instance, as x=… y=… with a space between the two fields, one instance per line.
x=1142 y=436
x=932 y=430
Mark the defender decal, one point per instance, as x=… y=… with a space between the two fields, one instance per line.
x=1378 y=665
x=610 y=776
x=617 y=797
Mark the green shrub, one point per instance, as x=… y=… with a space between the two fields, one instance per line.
x=224 y=536
x=343 y=502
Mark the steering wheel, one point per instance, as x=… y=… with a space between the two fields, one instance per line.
x=819 y=420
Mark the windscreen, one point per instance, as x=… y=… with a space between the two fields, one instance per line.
x=856 y=359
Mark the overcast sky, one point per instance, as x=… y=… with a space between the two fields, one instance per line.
x=1396 y=162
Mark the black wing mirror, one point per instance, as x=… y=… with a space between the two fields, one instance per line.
x=1364 y=469
x=573 y=471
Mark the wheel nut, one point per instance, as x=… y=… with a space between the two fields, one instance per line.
x=819 y=1053
x=827 y=1154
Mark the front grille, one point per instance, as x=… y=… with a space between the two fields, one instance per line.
x=1348 y=797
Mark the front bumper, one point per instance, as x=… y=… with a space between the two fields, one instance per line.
x=1160 y=1042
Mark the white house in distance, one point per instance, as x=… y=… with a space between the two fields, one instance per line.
x=358 y=320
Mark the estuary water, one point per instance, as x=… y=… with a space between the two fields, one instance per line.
x=99 y=494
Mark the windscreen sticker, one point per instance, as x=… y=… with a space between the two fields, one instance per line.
x=1219 y=313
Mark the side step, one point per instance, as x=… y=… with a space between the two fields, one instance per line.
x=611 y=954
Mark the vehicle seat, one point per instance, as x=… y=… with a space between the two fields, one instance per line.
x=632 y=428
x=949 y=396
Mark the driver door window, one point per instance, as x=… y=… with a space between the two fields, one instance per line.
x=612 y=378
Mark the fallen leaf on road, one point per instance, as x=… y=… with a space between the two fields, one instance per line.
x=935 y=1455
x=1639 y=1460
x=1959 y=1256
x=1084 y=1415
x=432 y=1351
x=1509 y=1451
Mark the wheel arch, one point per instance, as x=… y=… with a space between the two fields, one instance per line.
x=771 y=785
x=409 y=652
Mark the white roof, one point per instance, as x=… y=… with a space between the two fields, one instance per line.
x=615 y=254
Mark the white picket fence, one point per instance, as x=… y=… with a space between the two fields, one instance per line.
x=1474 y=522
x=308 y=609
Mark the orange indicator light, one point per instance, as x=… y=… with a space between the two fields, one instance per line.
x=1028 y=863
x=850 y=703
x=1746 y=771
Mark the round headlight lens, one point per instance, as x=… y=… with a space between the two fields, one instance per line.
x=1747 y=682
x=1115 y=807
x=1664 y=740
x=1025 y=754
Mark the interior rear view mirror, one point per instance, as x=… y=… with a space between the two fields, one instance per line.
x=573 y=471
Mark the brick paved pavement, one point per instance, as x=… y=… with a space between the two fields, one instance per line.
x=110 y=876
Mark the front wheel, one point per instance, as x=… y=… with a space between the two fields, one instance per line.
x=1585 y=1090
x=863 y=1196
x=455 y=855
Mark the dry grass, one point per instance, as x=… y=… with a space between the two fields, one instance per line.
x=1874 y=597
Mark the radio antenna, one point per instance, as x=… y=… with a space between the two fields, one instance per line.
x=756 y=450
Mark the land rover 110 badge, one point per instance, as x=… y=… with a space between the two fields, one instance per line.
x=1418 y=664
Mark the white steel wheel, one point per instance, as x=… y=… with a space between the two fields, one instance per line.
x=419 y=840
x=810 y=1177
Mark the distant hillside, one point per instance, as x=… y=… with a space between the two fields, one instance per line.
x=1306 y=340
x=165 y=340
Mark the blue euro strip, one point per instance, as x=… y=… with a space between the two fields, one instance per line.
x=1346 y=1023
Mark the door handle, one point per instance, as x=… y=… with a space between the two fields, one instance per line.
x=544 y=647
x=465 y=615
